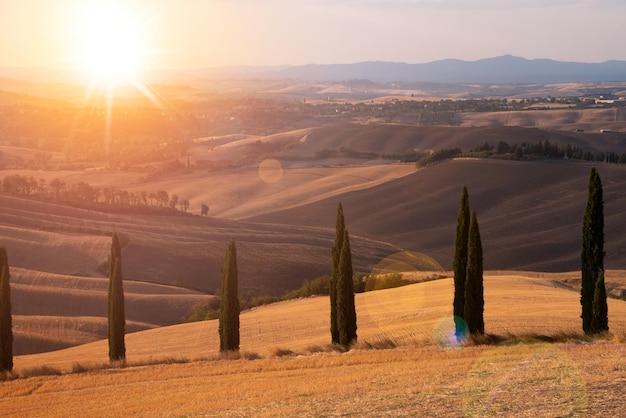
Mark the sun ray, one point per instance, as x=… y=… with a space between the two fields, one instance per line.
x=111 y=50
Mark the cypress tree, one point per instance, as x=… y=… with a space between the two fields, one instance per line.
x=474 y=298
x=229 y=302
x=117 y=317
x=600 y=309
x=340 y=227
x=6 y=326
x=460 y=255
x=593 y=293
x=346 y=310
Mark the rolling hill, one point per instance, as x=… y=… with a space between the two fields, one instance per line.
x=289 y=369
x=530 y=213
x=281 y=215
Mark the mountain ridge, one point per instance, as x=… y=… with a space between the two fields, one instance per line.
x=495 y=70
x=498 y=70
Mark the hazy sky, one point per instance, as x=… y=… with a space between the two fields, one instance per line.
x=204 y=33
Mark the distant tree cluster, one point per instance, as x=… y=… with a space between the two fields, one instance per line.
x=440 y=155
x=523 y=151
x=85 y=194
x=544 y=149
x=345 y=153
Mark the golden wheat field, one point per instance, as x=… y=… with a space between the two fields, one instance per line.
x=405 y=363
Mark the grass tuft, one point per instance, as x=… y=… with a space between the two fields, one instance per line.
x=6 y=376
x=154 y=361
x=250 y=355
x=536 y=338
x=282 y=352
x=90 y=367
x=40 y=371
x=325 y=348
x=381 y=344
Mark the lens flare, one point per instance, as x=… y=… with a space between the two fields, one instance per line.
x=524 y=381
x=451 y=333
x=408 y=303
x=270 y=171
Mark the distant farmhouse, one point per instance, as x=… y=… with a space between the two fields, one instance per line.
x=602 y=100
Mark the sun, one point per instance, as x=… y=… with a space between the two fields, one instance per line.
x=110 y=50
x=110 y=44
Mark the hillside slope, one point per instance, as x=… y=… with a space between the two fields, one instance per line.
x=58 y=260
x=408 y=315
x=530 y=213
x=289 y=369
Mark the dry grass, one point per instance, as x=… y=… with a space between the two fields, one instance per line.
x=538 y=379
x=540 y=364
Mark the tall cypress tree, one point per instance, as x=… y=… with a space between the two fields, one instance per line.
x=600 y=309
x=346 y=310
x=460 y=254
x=6 y=326
x=117 y=317
x=229 y=302
x=593 y=293
x=474 y=297
x=340 y=227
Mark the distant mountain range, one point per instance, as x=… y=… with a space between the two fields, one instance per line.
x=499 y=70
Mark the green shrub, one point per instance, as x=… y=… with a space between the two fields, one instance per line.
x=359 y=283
x=204 y=311
x=249 y=300
x=439 y=155
x=386 y=281
x=316 y=287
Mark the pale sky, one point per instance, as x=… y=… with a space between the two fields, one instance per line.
x=183 y=34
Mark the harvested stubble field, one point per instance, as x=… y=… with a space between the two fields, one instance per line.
x=288 y=369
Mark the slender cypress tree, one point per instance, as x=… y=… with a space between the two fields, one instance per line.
x=593 y=293
x=117 y=317
x=340 y=227
x=6 y=326
x=460 y=255
x=229 y=302
x=600 y=309
x=346 y=310
x=474 y=298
